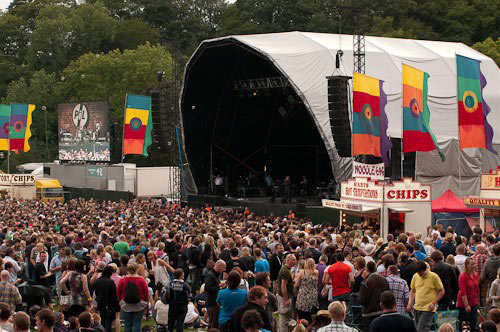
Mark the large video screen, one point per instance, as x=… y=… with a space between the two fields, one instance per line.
x=84 y=131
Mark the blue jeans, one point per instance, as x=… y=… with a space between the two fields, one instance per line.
x=346 y=298
x=133 y=320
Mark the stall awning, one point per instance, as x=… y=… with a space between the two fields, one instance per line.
x=401 y=209
x=350 y=205
x=473 y=222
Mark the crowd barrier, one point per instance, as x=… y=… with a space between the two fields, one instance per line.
x=97 y=194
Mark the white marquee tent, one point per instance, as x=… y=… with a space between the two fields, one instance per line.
x=307 y=58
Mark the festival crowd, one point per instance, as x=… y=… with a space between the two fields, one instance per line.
x=97 y=266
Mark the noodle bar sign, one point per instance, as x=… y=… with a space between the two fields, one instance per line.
x=399 y=191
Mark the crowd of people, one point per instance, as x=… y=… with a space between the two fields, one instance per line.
x=97 y=266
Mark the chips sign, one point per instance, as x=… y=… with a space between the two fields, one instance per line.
x=17 y=179
x=373 y=171
x=407 y=190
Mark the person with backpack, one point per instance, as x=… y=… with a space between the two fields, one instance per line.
x=178 y=299
x=133 y=295
x=179 y=259
x=107 y=300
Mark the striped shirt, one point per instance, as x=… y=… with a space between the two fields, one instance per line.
x=10 y=295
x=337 y=327
x=399 y=288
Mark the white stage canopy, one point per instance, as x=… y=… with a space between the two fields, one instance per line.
x=307 y=58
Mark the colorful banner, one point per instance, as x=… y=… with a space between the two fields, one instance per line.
x=138 y=125
x=4 y=127
x=20 y=126
x=369 y=118
x=417 y=134
x=474 y=129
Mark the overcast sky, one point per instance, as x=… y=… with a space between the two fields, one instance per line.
x=4 y=4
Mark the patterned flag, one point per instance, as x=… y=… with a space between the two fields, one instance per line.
x=474 y=129
x=4 y=127
x=138 y=125
x=417 y=134
x=20 y=126
x=369 y=118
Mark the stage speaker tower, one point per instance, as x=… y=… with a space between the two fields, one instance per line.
x=338 y=109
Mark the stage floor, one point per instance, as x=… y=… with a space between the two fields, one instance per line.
x=263 y=206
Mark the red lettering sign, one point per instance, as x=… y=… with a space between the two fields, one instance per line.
x=407 y=194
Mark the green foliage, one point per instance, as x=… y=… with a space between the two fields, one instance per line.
x=489 y=48
x=63 y=34
x=54 y=51
x=131 y=33
x=111 y=76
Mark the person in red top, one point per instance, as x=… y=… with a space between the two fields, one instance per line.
x=132 y=312
x=341 y=277
x=468 y=295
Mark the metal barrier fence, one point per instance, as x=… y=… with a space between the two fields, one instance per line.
x=100 y=195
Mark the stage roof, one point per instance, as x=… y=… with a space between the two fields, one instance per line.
x=307 y=58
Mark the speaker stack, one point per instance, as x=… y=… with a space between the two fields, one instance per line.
x=159 y=117
x=338 y=109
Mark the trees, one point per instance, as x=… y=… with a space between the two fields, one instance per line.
x=53 y=51
x=62 y=34
x=490 y=48
x=109 y=76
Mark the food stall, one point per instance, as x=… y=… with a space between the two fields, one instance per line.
x=488 y=200
x=401 y=206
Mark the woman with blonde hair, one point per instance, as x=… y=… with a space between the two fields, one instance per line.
x=450 y=260
x=307 y=283
x=247 y=258
x=428 y=246
x=494 y=292
x=446 y=327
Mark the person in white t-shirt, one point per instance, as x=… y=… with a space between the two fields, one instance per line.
x=161 y=310
x=192 y=318
x=460 y=258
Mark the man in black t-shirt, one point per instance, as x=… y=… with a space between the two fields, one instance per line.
x=391 y=320
x=40 y=271
x=179 y=260
x=170 y=244
x=235 y=261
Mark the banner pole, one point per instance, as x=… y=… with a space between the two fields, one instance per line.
x=123 y=127
x=402 y=156
x=8 y=141
x=458 y=126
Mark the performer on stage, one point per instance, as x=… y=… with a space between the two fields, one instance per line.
x=287 y=189
x=219 y=182
x=269 y=184
x=304 y=184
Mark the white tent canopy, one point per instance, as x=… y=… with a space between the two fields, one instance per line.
x=307 y=58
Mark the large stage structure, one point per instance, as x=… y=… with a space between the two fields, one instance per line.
x=258 y=104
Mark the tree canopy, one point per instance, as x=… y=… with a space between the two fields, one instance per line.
x=54 y=51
